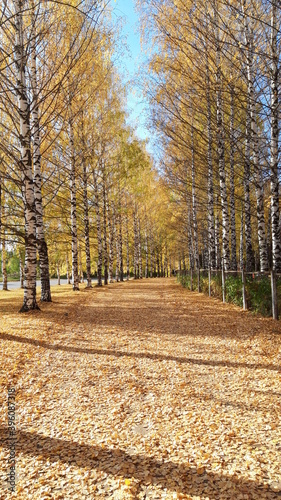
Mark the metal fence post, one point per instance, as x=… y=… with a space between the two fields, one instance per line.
x=198 y=279
x=209 y=276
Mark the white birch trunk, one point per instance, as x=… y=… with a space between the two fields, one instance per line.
x=232 y=185
x=29 y=301
x=194 y=202
x=86 y=208
x=21 y=271
x=99 y=235
x=86 y=224
x=4 y=268
x=217 y=242
x=248 y=35
x=58 y=272
x=221 y=149
x=81 y=274
x=127 y=243
x=67 y=270
x=150 y=254
x=111 y=244
x=274 y=109
x=158 y=263
x=261 y=221
x=74 y=240
x=211 y=215
x=105 y=252
x=146 y=254
x=41 y=242
x=241 y=250
x=120 y=240
x=117 y=268
x=269 y=239
x=136 y=252
x=3 y=239
x=161 y=263
x=190 y=242
x=154 y=260
x=165 y=262
x=139 y=250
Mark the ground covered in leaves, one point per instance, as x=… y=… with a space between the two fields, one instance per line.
x=141 y=390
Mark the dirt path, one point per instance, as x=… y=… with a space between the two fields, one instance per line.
x=141 y=390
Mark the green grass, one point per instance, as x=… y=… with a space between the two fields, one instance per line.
x=258 y=290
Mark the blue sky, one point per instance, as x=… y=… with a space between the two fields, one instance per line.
x=131 y=61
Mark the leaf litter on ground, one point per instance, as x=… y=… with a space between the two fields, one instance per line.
x=140 y=390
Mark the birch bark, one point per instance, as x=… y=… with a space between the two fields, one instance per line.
x=127 y=243
x=105 y=252
x=146 y=254
x=81 y=274
x=3 y=239
x=74 y=241
x=29 y=300
x=21 y=271
x=58 y=272
x=232 y=185
x=139 y=249
x=86 y=209
x=221 y=147
x=4 y=267
x=151 y=254
x=99 y=235
x=67 y=269
x=120 y=241
x=117 y=268
x=217 y=242
x=274 y=109
x=111 y=244
x=248 y=35
x=158 y=264
x=194 y=202
x=241 y=250
x=211 y=215
x=136 y=252
x=86 y=224
x=40 y=234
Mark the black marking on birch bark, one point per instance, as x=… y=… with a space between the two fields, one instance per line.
x=211 y=215
x=241 y=248
x=232 y=185
x=105 y=252
x=86 y=223
x=221 y=148
x=99 y=235
x=248 y=35
x=120 y=236
x=41 y=242
x=274 y=109
x=111 y=243
x=136 y=252
x=146 y=251
x=194 y=201
x=29 y=301
x=139 y=249
x=127 y=240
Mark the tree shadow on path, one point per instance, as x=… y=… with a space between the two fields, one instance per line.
x=138 y=355
x=166 y=474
